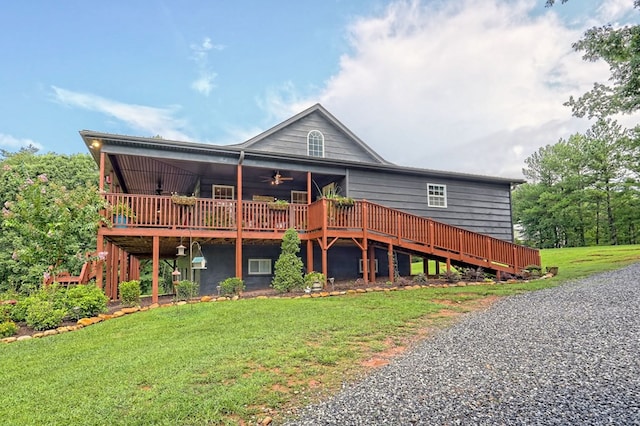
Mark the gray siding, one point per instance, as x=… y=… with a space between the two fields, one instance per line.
x=476 y=206
x=293 y=140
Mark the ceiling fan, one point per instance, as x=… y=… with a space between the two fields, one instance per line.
x=277 y=178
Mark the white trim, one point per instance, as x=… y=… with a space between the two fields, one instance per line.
x=437 y=200
x=263 y=265
x=368 y=260
x=321 y=141
x=298 y=193
x=233 y=191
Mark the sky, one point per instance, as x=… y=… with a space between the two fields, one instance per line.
x=470 y=86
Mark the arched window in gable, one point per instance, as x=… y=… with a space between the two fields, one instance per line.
x=315 y=144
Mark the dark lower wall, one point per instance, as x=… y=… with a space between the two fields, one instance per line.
x=343 y=264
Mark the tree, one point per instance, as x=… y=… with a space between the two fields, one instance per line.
x=620 y=48
x=288 y=268
x=583 y=190
x=45 y=227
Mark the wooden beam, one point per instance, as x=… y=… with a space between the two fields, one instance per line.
x=309 y=255
x=239 y=223
x=100 y=263
x=372 y=264
x=156 y=269
x=392 y=272
x=308 y=187
x=101 y=181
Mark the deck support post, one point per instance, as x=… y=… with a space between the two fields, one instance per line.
x=392 y=271
x=448 y=265
x=310 y=256
x=156 y=269
x=239 y=224
x=365 y=231
x=100 y=263
x=101 y=181
x=437 y=267
x=372 y=264
x=323 y=240
x=124 y=267
x=425 y=266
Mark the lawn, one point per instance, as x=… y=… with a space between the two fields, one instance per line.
x=232 y=362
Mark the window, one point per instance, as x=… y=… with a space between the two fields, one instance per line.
x=315 y=144
x=360 y=265
x=223 y=192
x=299 y=197
x=259 y=266
x=436 y=195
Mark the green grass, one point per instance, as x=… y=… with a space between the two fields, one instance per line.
x=217 y=363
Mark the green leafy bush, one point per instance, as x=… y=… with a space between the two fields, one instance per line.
x=8 y=328
x=130 y=292
x=5 y=312
x=85 y=301
x=232 y=285
x=43 y=315
x=186 y=290
x=420 y=278
x=314 y=277
x=288 y=268
x=19 y=311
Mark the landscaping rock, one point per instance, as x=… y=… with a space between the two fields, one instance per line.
x=21 y=338
x=206 y=299
x=9 y=339
x=50 y=333
x=130 y=310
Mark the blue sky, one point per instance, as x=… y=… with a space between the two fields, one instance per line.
x=467 y=85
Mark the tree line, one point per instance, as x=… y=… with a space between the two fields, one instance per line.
x=585 y=190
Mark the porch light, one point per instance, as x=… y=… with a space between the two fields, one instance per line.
x=181 y=250
x=176 y=276
x=199 y=262
x=95 y=144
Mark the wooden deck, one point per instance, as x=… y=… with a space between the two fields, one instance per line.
x=324 y=222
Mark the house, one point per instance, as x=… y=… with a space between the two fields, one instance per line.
x=229 y=206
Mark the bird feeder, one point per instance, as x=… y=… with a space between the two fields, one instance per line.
x=181 y=250
x=199 y=262
x=176 y=276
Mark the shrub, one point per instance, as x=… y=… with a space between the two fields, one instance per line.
x=451 y=276
x=5 y=312
x=130 y=292
x=288 y=268
x=314 y=277
x=186 y=290
x=19 y=311
x=8 y=328
x=85 y=301
x=232 y=285
x=43 y=315
x=420 y=278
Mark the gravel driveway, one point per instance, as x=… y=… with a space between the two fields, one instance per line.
x=567 y=355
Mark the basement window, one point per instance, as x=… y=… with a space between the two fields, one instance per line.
x=259 y=267
x=436 y=195
x=360 y=265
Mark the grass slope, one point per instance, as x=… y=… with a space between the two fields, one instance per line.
x=233 y=362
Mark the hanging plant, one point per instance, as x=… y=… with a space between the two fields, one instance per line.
x=183 y=200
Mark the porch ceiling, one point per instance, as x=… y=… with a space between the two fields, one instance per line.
x=159 y=176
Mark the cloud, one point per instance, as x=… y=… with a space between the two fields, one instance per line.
x=11 y=143
x=203 y=84
x=151 y=120
x=473 y=86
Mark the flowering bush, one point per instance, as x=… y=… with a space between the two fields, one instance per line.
x=48 y=226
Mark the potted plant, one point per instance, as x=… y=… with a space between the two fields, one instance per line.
x=121 y=212
x=184 y=200
x=314 y=280
x=279 y=205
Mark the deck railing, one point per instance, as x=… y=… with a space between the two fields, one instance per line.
x=363 y=217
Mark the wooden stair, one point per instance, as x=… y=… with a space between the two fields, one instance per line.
x=408 y=233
